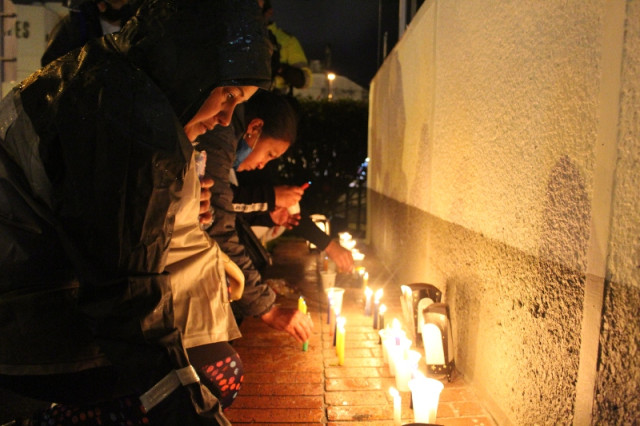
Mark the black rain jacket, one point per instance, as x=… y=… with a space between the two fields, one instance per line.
x=92 y=154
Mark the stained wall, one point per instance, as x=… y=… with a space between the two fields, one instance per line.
x=504 y=168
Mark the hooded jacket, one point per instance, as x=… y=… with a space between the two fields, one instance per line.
x=220 y=145
x=92 y=165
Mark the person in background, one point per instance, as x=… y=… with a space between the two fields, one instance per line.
x=290 y=67
x=264 y=204
x=115 y=304
x=86 y=21
x=261 y=130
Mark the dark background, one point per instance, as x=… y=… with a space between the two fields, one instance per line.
x=353 y=28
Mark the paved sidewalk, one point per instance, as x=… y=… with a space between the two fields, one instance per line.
x=284 y=385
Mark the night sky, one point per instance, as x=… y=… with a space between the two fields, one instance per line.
x=350 y=27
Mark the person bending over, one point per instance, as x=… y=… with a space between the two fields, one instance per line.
x=261 y=130
x=112 y=296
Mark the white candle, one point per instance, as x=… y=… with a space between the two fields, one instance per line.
x=376 y=306
x=397 y=406
x=425 y=393
x=368 y=293
x=403 y=374
x=406 y=369
x=398 y=352
x=382 y=310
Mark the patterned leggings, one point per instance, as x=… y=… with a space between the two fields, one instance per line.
x=219 y=368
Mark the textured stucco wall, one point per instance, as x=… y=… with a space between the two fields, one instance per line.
x=618 y=383
x=504 y=146
x=516 y=318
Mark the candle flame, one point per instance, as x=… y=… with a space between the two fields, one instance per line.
x=349 y=244
x=368 y=292
x=378 y=294
x=383 y=309
x=355 y=253
x=341 y=322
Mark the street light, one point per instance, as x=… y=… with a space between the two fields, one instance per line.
x=331 y=76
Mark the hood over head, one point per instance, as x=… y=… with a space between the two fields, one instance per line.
x=189 y=47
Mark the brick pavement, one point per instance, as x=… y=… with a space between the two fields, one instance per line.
x=285 y=386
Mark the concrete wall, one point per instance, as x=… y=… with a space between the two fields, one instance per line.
x=505 y=169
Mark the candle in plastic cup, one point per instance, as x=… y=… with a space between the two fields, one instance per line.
x=328 y=279
x=397 y=352
x=426 y=394
x=405 y=369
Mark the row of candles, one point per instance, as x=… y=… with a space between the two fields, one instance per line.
x=403 y=362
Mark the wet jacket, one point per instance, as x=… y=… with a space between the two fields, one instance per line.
x=73 y=31
x=92 y=166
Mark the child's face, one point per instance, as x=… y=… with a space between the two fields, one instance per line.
x=265 y=150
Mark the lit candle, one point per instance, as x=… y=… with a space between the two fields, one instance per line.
x=357 y=256
x=406 y=368
x=397 y=350
x=340 y=333
x=368 y=293
x=345 y=236
x=394 y=353
x=425 y=394
x=397 y=406
x=302 y=307
x=365 y=279
x=376 y=307
x=382 y=310
x=335 y=326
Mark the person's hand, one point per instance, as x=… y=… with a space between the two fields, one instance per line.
x=290 y=320
x=281 y=216
x=206 y=214
x=287 y=196
x=340 y=255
